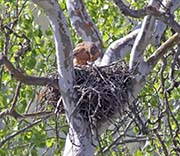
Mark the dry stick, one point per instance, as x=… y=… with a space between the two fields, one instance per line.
x=23 y=6
x=35 y=114
x=12 y=111
x=4 y=113
x=15 y=97
x=22 y=77
x=166 y=110
x=173 y=81
x=44 y=114
x=1 y=72
x=170 y=115
x=18 y=132
x=7 y=41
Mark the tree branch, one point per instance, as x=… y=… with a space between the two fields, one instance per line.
x=141 y=42
x=137 y=63
x=22 y=77
x=82 y=22
x=119 y=48
x=130 y=12
x=63 y=43
x=163 y=16
x=19 y=132
x=154 y=58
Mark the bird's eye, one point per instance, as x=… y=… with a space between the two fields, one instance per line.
x=93 y=50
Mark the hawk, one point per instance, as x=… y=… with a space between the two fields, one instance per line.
x=85 y=52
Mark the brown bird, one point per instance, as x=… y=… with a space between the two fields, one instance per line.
x=85 y=52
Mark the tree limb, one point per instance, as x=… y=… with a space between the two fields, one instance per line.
x=119 y=48
x=163 y=16
x=141 y=42
x=154 y=58
x=137 y=63
x=130 y=12
x=22 y=77
x=19 y=132
x=82 y=22
x=64 y=49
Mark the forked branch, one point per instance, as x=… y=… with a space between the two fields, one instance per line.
x=164 y=16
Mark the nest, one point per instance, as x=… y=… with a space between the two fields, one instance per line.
x=101 y=91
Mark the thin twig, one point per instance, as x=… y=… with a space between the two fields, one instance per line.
x=19 y=132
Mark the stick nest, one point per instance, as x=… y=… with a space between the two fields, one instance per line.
x=101 y=91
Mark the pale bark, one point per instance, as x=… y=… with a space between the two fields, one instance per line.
x=160 y=27
x=119 y=48
x=82 y=22
x=79 y=140
x=154 y=58
x=144 y=68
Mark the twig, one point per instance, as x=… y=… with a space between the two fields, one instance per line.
x=17 y=90
x=19 y=132
x=161 y=142
x=44 y=114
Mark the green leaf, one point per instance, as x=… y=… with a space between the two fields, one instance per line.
x=139 y=153
x=50 y=142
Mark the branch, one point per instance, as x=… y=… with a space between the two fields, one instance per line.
x=82 y=22
x=12 y=110
x=19 y=132
x=146 y=67
x=38 y=114
x=119 y=48
x=163 y=16
x=154 y=58
x=130 y=12
x=141 y=42
x=137 y=63
x=22 y=77
x=16 y=95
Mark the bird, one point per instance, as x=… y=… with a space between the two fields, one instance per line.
x=85 y=53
